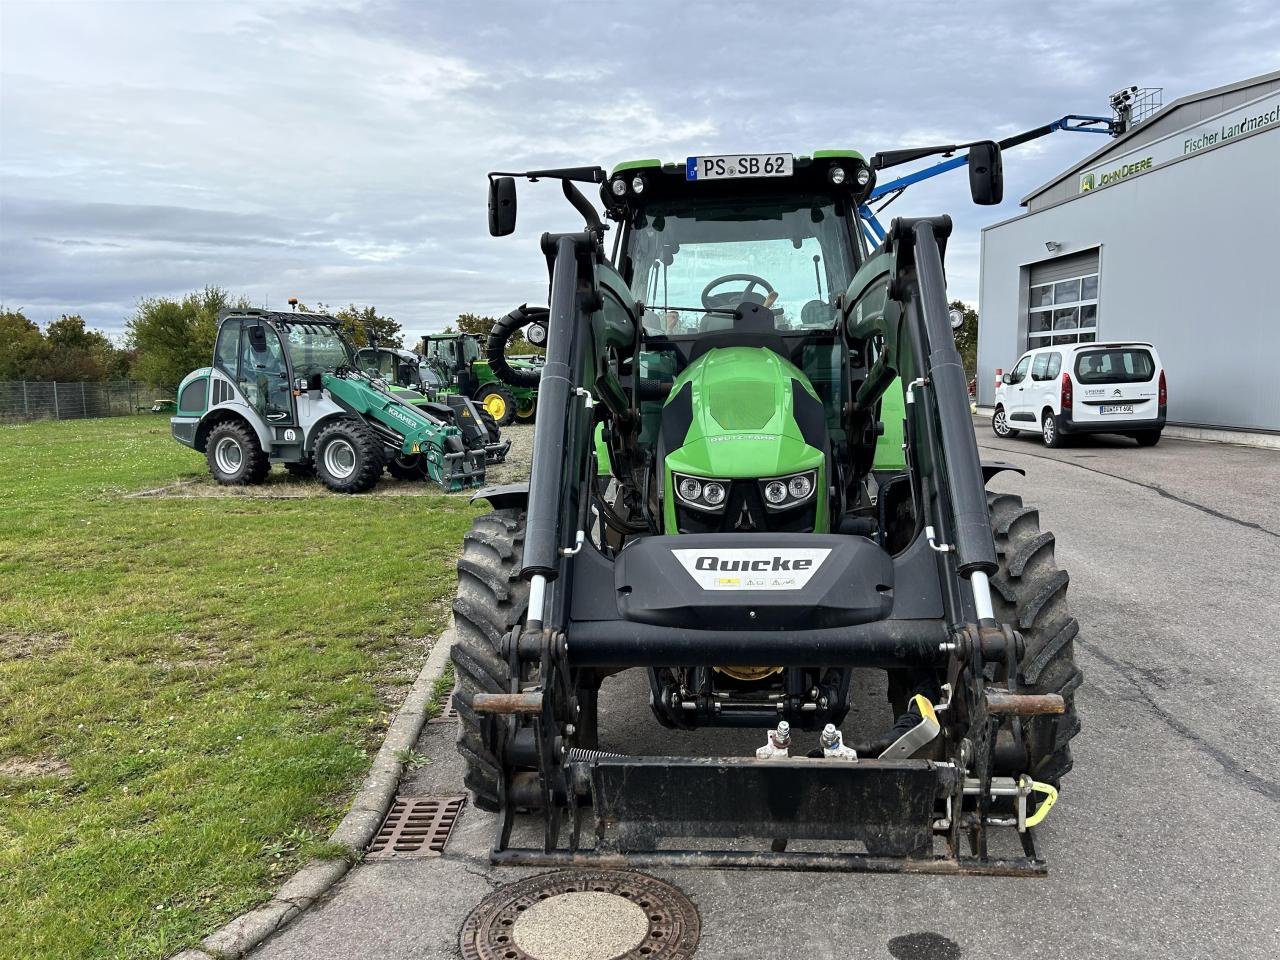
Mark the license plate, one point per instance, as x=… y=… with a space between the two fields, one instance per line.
x=1116 y=408
x=732 y=166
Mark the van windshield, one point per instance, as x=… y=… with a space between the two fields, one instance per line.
x=1115 y=365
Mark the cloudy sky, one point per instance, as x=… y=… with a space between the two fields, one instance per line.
x=337 y=151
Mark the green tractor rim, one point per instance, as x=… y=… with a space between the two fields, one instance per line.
x=495 y=406
x=340 y=459
x=228 y=455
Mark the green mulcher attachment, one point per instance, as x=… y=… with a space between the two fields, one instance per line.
x=755 y=473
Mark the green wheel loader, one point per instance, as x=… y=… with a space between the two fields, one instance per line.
x=754 y=473
x=284 y=388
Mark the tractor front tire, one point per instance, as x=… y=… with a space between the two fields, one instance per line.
x=491 y=429
x=235 y=456
x=1029 y=593
x=348 y=456
x=491 y=600
x=498 y=401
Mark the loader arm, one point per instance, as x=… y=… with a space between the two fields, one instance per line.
x=409 y=430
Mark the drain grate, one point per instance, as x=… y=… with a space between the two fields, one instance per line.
x=669 y=924
x=447 y=712
x=415 y=827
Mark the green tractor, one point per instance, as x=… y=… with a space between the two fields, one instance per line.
x=285 y=388
x=755 y=473
x=455 y=359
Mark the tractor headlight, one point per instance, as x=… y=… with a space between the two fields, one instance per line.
x=782 y=493
x=863 y=176
x=709 y=495
x=836 y=175
x=619 y=187
x=637 y=184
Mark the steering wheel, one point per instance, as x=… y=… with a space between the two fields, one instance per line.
x=719 y=301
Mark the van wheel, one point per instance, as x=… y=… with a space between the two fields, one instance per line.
x=1000 y=424
x=1050 y=432
x=1147 y=438
x=235 y=456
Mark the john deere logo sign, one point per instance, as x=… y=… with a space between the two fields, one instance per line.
x=1115 y=174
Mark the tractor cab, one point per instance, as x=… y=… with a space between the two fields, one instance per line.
x=738 y=279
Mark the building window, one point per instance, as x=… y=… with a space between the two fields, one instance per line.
x=1065 y=311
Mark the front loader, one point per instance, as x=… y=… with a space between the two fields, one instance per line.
x=755 y=473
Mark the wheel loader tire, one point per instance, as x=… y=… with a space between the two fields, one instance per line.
x=1029 y=592
x=348 y=456
x=498 y=401
x=406 y=468
x=491 y=599
x=236 y=458
x=301 y=469
x=491 y=428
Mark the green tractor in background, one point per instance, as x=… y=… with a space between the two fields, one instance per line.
x=455 y=359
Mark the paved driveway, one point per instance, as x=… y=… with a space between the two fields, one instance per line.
x=1165 y=841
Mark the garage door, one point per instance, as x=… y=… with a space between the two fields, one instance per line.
x=1062 y=300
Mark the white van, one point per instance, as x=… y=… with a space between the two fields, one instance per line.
x=1084 y=388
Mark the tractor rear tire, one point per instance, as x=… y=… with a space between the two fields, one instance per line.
x=498 y=401
x=491 y=599
x=1029 y=593
x=236 y=457
x=528 y=412
x=348 y=456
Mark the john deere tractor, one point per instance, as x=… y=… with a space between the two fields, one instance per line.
x=455 y=359
x=284 y=388
x=715 y=500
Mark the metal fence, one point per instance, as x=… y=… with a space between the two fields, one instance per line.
x=31 y=400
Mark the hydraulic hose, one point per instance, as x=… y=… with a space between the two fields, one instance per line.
x=496 y=346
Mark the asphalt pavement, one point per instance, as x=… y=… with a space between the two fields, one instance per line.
x=1165 y=841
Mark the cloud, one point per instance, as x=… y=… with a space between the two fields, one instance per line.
x=336 y=151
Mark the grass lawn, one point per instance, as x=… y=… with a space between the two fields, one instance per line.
x=190 y=688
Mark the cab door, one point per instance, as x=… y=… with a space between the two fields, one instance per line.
x=264 y=375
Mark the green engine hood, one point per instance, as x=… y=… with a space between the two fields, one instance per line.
x=740 y=409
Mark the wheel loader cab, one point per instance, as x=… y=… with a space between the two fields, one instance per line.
x=739 y=291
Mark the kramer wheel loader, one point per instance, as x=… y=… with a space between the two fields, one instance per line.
x=754 y=472
x=284 y=388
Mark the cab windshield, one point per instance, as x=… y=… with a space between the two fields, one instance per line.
x=693 y=262
x=315 y=348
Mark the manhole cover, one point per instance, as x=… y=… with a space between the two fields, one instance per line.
x=583 y=915
x=447 y=712
x=415 y=827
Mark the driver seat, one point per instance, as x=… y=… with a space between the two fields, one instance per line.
x=753 y=326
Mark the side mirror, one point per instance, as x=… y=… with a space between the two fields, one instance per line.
x=1007 y=378
x=502 y=206
x=258 y=339
x=986 y=173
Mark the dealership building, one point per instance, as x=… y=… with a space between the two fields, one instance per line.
x=1169 y=234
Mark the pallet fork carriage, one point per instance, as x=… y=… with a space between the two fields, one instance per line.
x=712 y=496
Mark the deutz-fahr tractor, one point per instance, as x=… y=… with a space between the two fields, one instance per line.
x=715 y=500
x=455 y=359
x=284 y=388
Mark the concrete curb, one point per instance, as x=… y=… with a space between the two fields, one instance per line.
x=236 y=938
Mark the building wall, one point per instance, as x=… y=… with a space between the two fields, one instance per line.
x=1189 y=260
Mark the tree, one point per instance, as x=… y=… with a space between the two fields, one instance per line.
x=967 y=337
x=23 y=351
x=359 y=323
x=79 y=354
x=173 y=337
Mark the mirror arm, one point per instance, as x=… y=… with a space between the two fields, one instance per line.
x=584 y=207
